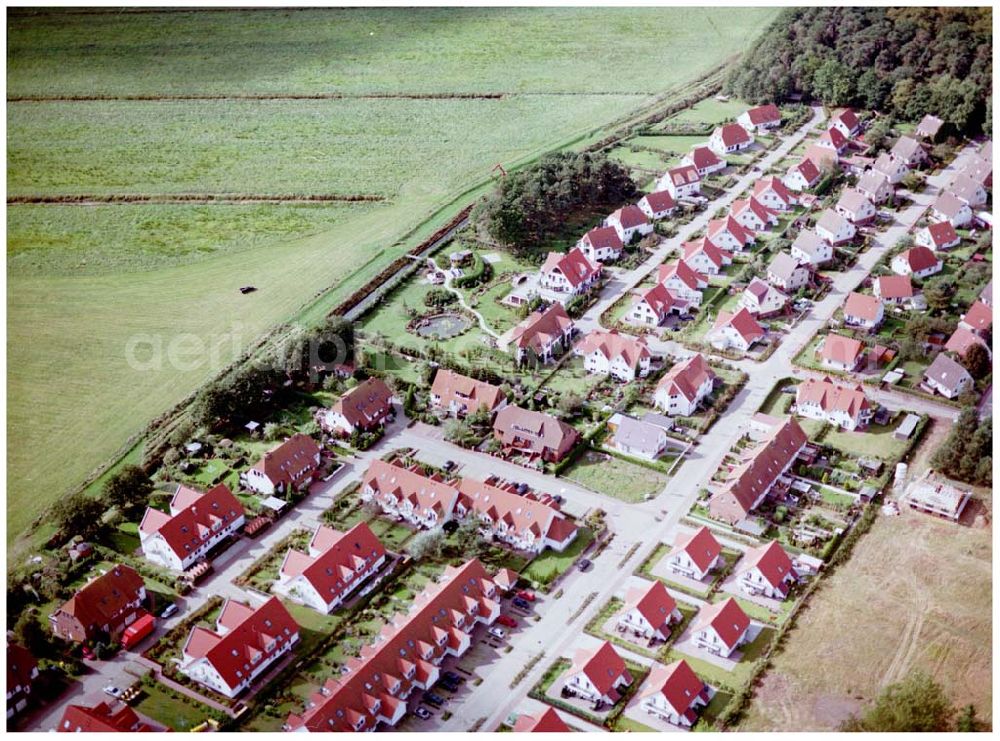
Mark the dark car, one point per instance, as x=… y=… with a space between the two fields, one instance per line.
x=520 y=603
x=448 y=465
x=433 y=699
x=453 y=677
x=585 y=564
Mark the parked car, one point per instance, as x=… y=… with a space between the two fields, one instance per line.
x=169 y=610
x=113 y=691
x=450 y=686
x=497 y=633
x=520 y=603
x=422 y=713
x=453 y=677
x=526 y=594
x=507 y=620
x=585 y=564
x=433 y=698
x=449 y=465
x=87 y=653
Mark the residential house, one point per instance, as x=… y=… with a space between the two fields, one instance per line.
x=939 y=236
x=407 y=493
x=696 y=554
x=833 y=140
x=908 y=150
x=721 y=628
x=968 y=189
x=929 y=127
x=786 y=273
x=102 y=609
x=683 y=281
x=834 y=228
x=917 y=262
x=657 y=205
x=894 y=289
x=810 y=248
x=986 y=295
x=620 y=356
x=753 y=479
x=628 y=221
x=823 y=157
x=543 y=334
x=681 y=182
x=704 y=160
x=335 y=566
x=636 y=437
x=102 y=718
x=739 y=331
x=773 y=194
x=978 y=319
x=948 y=207
x=22 y=671
x=977 y=167
x=862 y=310
x=802 y=176
x=762 y=299
x=875 y=186
x=761 y=118
x=684 y=386
x=571 y=273
x=842 y=406
x=460 y=395
x=730 y=138
x=534 y=433
x=364 y=408
x=893 y=168
x=407 y=656
x=752 y=214
x=674 y=694
x=197 y=523
x=653 y=306
x=602 y=243
x=947 y=377
x=728 y=234
x=706 y=257
x=962 y=340
x=598 y=676
x=855 y=206
x=650 y=612
x=290 y=465
x=245 y=642
x=767 y=570
x=841 y=353
x=847 y=123
x=547 y=722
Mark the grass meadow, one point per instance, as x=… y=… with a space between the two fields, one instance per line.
x=85 y=281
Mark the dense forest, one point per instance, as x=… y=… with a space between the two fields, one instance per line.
x=905 y=62
x=531 y=206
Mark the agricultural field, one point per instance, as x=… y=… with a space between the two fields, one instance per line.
x=119 y=310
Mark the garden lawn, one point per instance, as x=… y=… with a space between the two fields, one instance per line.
x=615 y=477
x=549 y=564
x=719 y=677
x=875 y=440
x=157 y=703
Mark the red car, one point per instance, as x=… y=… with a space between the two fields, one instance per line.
x=87 y=653
x=507 y=620
x=526 y=594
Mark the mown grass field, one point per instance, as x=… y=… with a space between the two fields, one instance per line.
x=85 y=281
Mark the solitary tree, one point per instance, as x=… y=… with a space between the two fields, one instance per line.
x=127 y=490
x=918 y=703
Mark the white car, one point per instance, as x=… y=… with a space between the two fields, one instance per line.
x=113 y=691
x=497 y=633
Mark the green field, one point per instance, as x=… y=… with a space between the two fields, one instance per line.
x=86 y=281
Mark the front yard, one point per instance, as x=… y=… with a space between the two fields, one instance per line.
x=550 y=564
x=616 y=477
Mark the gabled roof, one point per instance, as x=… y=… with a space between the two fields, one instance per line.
x=772 y=183
x=705 y=245
x=807 y=168
x=743 y=322
x=104 y=597
x=831 y=221
x=821 y=156
x=298 y=452
x=548 y=722
x=839 y=349
x=658 y=201
x=772 y=562
x=872 y=181
x=686 y=377
x=761 y=291
x=862 y=306
x=942 y=233
x=752 y=204
x=783 y=266
x=947 y=372
x=604 y=238
x=343 y=556
x=684 y=175
x=542 y=327
x=521 y=513
x=543 y=429
x=961 y=340
x=451 y=386
x=636 y=434
x=835 y=137
x=965 y=187
x=690 y=277
x=614 y=345
x=887 y=165
x=367 y=403
x=919 y=258
x=700 y=546
x=810 y=243
x=948 y=205
x=764 y=114
x=905 y=148
x=979 y=317
x=733 y=134
x=602 y=667
x=101 y=718
x=425 y=493
x=853 y=200
x=894 y=286
x=20 y=666
x=848 y=117
x=832 y=397
x=659 y=298
x=930 y=124
x=728 y=224
x=678 y=684
x=703 y=158
x=194 y=518
x=629 y=216
x=574 y=265
x=727 y=619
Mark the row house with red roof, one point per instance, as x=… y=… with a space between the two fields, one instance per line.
x=101 y=609
x=102 y=718
x=542 y=334
x=196 y=523
x=824 y=400
x=683 y=281
x=681 y=182
x=729 y=139
x=760 y=118
x=674 y=693
x=657 y=205
x=423 y=501
x=374 y=687
x=460 y=395
x=682 y=389
x=245 y=642
x=620 y=356
x=628 y=221
x=752 y=480
x=334 y=567
x=650 y=613
x=735 y=331
x=704 y=160
x=22 y=671
x=286 y=467
x=695 y=555
x=602 y=244
x=729 y=235
x=802 y=176
x=599 y=676
x=767 y=570
x=364 y=408
x=721 y=628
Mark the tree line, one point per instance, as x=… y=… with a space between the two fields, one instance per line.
x=967 y=454
x=905 y=62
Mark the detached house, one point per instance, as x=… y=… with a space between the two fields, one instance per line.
x=650 y=612
x=601 y=244
x=598 y=676
x=855 y=206
x=802 y=176
x=548 y=722
x=875 y=186
x=334 y=567
x=767 y=570
x=696 y=554
x=847 y=123
x=288 y=466
x=947 y=377
x=809 y=248
x=962 y=340
x=543 y=334
x=785 y=272
x=826 y=401
x=893 y=289
x=721 y=628
x=683 y=281
x=653 y=307
x=728 y=234
x=622 y=357
x=706 y=257
x=460 y=395
x=364 y=408
x=730 y=138
x=704 y=160
x=684 y=386
x=195 y=525
x=833 y=140
x=761 y=118
x=834 y=228
x=968 y=189
x=949 y=208
x=908 y=150
x=841 y=353
x=893 y=168
x=752 y=214
x=939 y=236
x=422 y=501
x=978 y=319
x=102 y=609
x=739 y=331
x=929 y=127
x=762 y=300
x=862 y=310
x=681 y=182
x=917 y=262
x=534 y=433
x=657 y=205
x=637 y=437
x=674 y=693
x=571 y=273
x=773 y=194
x=629 y=221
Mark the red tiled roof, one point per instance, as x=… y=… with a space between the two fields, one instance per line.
x=895 y=286
x=342 y=556
x=283 y=463
x=195 y=518
x=703 y=158
x=863 y=306
x=728 y=620
x=451 y=386
x=629 y=216
x=425 y=493
x=686 y=377
x=548 y=722
x=658 y=201
x=684 y=175
x=942 y=233
x=613 y=345
x=743 y=322
x=832 y=396
x=654 y=603
x=808 y=169
x=840 y=349
x=760 y=210
x=764 y=114
x=365 y=405
x=920 y=258
x=605 y=238
x=542 y=431
x=772 y=183
x=712 y=251
x=20 y=666
x=678 y=684
x=659 y=298
x=540 y=327
x=979 y=317
x=849 y=118
x=700 y=546
x=602 y=667
x=728 y=224
x=684 y=272
x=772 y=562
x=101 y=599
x=835 y=137
x=733 y=134
x=519 y=513
x=573 y=265
x=101 y=718
x=961 y=340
